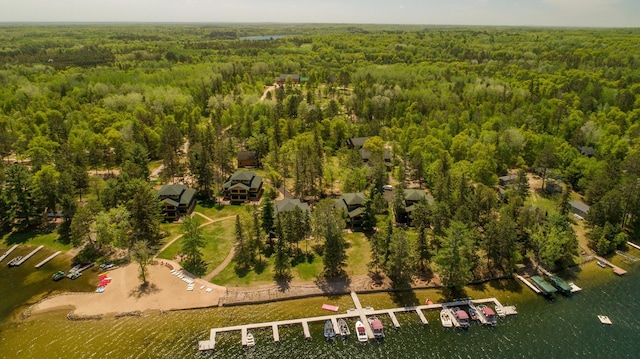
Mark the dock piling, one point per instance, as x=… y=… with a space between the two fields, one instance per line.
x=276 y=332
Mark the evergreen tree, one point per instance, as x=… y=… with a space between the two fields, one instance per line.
x=454 y=259
x=267 y=216
x=192 y=244
x=145 y=215
x=242 y=253
x=329 y=225
x=565 y=207
x=400 y=264
x=282 y=264
x=420 y=218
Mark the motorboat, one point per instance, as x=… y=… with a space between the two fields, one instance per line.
x=462 y=317
x=361 y=332
x=488 y=313
x=445 y=318
x=344 y=328
x=377 y=327
x=14 y=262
x=329 y=331
x=58 y=275
x=473 y=314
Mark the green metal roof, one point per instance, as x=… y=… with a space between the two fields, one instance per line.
x=543 y=285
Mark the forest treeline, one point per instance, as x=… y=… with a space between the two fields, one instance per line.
x=456 y=108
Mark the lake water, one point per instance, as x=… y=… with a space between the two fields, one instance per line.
x=563 y=328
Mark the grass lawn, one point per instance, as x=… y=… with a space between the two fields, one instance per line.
x=35 y=238
x=548 y=204
x=358 y=254
x=219 y=238
x=214 y=212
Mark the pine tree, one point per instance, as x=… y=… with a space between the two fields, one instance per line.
x=242 y=253
x=192 y=243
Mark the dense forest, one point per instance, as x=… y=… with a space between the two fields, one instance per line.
x=455 y=107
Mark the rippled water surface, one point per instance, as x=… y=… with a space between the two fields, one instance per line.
x=564 y=328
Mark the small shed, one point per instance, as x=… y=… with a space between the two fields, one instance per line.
x=587 y=151
x=578 y=208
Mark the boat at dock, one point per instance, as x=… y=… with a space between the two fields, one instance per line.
x=462 y=317
x=562 y=286
x=344 y=328
x=488 y=314
x=58 y=275
x=14 y=262
x=329 y=331
x=377 y=327
x=361 y=332
x=445 y=318
x=473 y=314
x=545 y=287
x=602 y=265
x=74 y=274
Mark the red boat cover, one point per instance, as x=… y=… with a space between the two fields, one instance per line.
x=361 y=329
x=461 y=314
x=376 y=324
x=488 y=311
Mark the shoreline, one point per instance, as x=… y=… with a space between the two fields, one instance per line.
x=168 y=294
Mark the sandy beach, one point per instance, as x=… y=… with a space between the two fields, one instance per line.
x=164 y=292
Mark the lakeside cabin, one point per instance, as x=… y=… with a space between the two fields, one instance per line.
x=247 y=159
x=290 y=204
x=243 y=186
x=352 y=204
x=177 y=200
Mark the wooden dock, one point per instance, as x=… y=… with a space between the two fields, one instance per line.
x=617 y=270
x=48 y=259
x=629 y=243
x=529 y=284
x=359 y=312
x=24 y=259
x=6 y=254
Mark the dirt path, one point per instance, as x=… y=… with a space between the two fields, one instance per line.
x=222 y=265
x=266 y=91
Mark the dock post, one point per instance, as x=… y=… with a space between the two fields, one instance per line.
x=243 y=332
x=305 y=329
x=423 y=319
x=336 y=328
x=276 y=332
x=394 y=320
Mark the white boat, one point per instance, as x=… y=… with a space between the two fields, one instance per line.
x=377 y=327
x=344 y=328
x=445 y=318
x=251 y=341
x=361 y=332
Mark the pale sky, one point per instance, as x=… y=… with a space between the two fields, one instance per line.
x=591 y=13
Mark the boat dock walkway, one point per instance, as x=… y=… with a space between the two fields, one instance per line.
x=529 y=284
x=617 y=270
x=627 y=257
x=6 y=254
x=633 y=245
x=357 y=312
x=24 y=259
x=48 y=259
